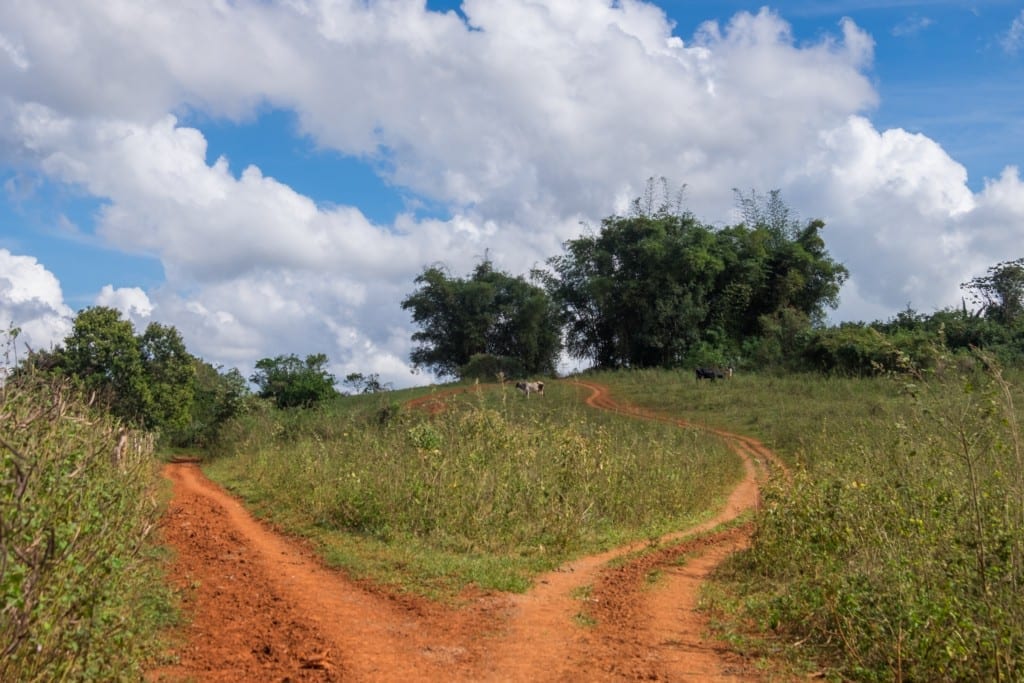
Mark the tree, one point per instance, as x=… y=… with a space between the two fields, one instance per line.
x=1000 y=293
x=638 y=293
x=659 y=289
x=170 y=373
x=365 y=384
x=491 y=313
x=104 y=354
x=147 y=380
x=217 y=397
x=293 y=383
x=781 y=263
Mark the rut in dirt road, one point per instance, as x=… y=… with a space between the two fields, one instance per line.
x=264 y=608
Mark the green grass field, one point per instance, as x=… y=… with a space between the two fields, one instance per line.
x=895 y=553
x=491 y=490
x=898 y=551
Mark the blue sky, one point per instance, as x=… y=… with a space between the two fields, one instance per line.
x=270 y=177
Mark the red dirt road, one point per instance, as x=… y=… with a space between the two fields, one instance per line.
x=264 y=608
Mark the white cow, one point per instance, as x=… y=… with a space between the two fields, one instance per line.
x=530 y=388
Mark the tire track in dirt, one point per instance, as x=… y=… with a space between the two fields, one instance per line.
x=656 y=630
x=264 y=608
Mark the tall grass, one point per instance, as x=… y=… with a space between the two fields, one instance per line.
x=80 y=599
x=788 y=412
x=489 y=490
x=897 y=552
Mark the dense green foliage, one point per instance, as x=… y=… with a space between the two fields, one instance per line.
x=294 y=383
x=491 y=314
x=915 y=531
x=79 y=600
x=912 y=341
x=149 y=380
x=660 y=289
x=104 y=354
x=218 y=396
x=909 y=341
x=169 y=371
x=490 y=490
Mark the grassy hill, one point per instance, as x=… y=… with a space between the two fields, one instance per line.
x=490 y=489
x=896 y=551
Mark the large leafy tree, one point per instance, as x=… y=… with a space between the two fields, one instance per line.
x=103 y=352
x=638 y=293
x=170 y=374
x=292 y=382
x=657 y=286
x=491 y=313
x=779 y=263
x=147 y=379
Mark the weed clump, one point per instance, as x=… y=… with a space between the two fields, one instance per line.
x=898 y=552
x=79 y=597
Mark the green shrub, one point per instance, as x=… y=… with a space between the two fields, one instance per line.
x=898 y=553
x=855 y=349
x=76 y=508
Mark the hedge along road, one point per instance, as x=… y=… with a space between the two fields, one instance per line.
x=263 y=607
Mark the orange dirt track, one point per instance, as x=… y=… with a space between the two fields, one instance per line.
x=264 y=608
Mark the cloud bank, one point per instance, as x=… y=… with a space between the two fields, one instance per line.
x=520 y=119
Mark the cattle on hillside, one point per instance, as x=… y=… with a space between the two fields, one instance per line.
x=713 y=373
x=530 y=388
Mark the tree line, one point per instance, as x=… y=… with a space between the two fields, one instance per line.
x=653 y=288
x=151 y=381
x=659 y=288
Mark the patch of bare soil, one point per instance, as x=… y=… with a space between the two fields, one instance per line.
x=262 y=607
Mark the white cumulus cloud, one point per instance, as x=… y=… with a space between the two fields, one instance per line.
x=519 y=122
x=32 y=301
x=131 y=301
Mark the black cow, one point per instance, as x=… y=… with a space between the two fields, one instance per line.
x=713 y=373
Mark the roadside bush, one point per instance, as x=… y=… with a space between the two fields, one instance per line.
x=854 y=349
x=899 y=553
x=76 y=509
